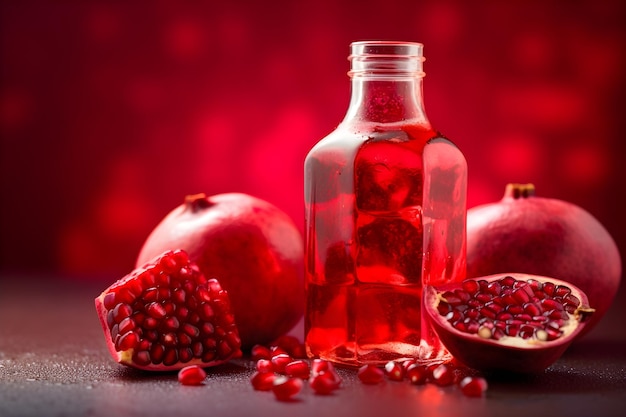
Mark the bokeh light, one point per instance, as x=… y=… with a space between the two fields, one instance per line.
x=111 y=112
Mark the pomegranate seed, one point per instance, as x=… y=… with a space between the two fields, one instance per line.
x=299 y=351
x=455 y=315
x=463 y=296
x=191 y=375
x=394 y=371
x=532 y=309
x=142 y=358
x=191 y=330
x=321 y=365
x=535 y=285
x=562 y=291
x=473 y=386
x=571 y=300
x=323 y=384
x=444 y=308
x=472 y=326
x=156 y=310
x=127 y=341
x=370 y=374
x=504 y=316
x=326 y=371
x=262 y=381
x=260 y=352
x=494 y=288
x=285 y=388
x=121 y=311
x=520 y=295
x=553 y=334
x=507 y=281
x=288 y=343
x=470 y=286
x=497 y=333
x=443 y=375
x=451 y=298
x=417 y=374
x=110 y=300
x=277 y=350
x=205 y=311
x=179 y=296
x=548 y=288
x=493 y=307
x=298 y=369
x=490 y=314
x=280 y=361
x=126 y=325
x=264 y=365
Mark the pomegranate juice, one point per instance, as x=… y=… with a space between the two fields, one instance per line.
x=389 y=218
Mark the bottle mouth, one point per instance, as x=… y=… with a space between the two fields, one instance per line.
x=386 y=58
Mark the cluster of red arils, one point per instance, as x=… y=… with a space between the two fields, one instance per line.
x=284 y=369
x=442 y=374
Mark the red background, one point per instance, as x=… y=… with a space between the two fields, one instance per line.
x=112 y=111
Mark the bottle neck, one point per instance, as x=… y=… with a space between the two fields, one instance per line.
x=386 y=101
x=386 y=82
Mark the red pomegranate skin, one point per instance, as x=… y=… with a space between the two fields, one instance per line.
x=544 y=236
x=252 y=246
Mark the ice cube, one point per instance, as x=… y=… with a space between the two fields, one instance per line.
x=388 y=177
x=390 y=251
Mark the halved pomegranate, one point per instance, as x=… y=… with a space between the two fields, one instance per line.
x=545 y=236
x=513 y=322
x=166 y=315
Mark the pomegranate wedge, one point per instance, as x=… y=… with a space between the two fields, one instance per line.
x=166 y=315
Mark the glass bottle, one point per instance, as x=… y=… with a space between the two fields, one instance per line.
x=385 y=209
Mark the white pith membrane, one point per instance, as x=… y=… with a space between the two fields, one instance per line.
x=539 y=337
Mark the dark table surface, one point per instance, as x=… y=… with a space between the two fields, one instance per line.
x=53 y=362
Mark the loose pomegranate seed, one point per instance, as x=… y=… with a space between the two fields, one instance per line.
x=323 y=384
x=443 y=375
x=370 y=374
x=264 y=365
x=277 y=350
x=321 y=365
x=417 y=374
x=291 y=345
x=394 y=371
x=262 y=381
x=280 y=361
x=285 y=388
x=473 y=386
x=191 y=375
x=324 y=378
x=299 y=369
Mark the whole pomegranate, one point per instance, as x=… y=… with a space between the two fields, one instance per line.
x=252 y=247
x=543 y=236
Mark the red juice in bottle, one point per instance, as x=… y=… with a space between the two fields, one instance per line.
x=385 y=214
